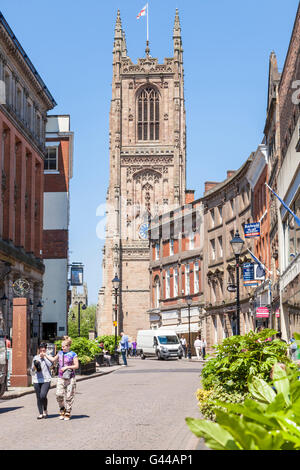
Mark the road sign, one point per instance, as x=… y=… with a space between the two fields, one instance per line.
x=115 y=323
x=231 y=288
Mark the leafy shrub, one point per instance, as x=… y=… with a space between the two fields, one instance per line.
x=269 y=420
x=109 y=342
x=240 y=357
x=207 y=400
x=85 y=349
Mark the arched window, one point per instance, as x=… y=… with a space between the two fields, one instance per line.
x=148 y=114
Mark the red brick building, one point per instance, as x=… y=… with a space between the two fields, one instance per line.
x=176 y=243
x=25 y=101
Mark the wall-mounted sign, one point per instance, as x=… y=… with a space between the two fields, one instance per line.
x=248 y=275
x=252 y=230
x=76 y=275
x=277 y=313
x=262 y=312
x=231 y=288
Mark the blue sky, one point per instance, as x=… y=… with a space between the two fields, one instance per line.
x=226 y=51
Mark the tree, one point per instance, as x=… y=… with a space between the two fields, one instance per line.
x=87 y=321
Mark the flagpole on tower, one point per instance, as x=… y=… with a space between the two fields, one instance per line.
x=147 y=43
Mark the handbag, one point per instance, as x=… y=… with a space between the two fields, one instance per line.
x=67 y=374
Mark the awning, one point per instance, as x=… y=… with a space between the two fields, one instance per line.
x=194 y=328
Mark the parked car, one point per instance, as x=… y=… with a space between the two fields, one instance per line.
x=162 y=343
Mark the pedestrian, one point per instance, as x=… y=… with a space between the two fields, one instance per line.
x=124 y=347
x=66 y=382
x=183 y=344
x=129 y=350
x=204 y=345
x=293 y=348
x=41 y=379
x=107 y=357
x=198 y=347
x=134 y=348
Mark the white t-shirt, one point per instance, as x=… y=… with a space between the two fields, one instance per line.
x=198 y=343
x=183 y=341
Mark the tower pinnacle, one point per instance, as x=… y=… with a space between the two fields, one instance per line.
x=177 y=28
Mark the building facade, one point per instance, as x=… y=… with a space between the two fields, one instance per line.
x=25 y=101
x=288 y=186
x=147 y=173
x=227 y=207
x=58 y=169
x=176 y=252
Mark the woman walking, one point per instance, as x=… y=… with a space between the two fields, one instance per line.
x=41 y=379
x=66 y=382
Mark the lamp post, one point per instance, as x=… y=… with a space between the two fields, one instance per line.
x=83 y=308
x=39 y=306
x=116 y=284
x=189 y=303
x=237 y=245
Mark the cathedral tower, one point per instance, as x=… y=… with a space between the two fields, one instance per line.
x=147 y=174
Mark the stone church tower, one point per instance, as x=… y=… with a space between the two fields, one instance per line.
x=147 y=174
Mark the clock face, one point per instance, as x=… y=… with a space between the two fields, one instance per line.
x=143 y=231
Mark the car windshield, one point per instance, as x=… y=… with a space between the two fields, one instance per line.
x=168 y=339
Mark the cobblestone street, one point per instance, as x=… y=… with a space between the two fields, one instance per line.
x=139 y=407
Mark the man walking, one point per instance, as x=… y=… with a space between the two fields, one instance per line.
x=183 y=344
x=198 y=347
x=203 y=348
x=124 y=347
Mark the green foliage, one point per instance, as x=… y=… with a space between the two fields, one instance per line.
x=87 y=321
x=240 y=357
x=269 y=420
x=85 y=349
x=109 y=342
x=207 y=400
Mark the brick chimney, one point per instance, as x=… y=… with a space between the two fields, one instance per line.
x=209 y=185
x=230 y=173
x=189 y=196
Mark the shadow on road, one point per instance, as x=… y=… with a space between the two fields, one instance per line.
x=72 y=417
x=12 y=408
x=154 y=371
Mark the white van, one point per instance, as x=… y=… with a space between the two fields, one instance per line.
x=160 y=343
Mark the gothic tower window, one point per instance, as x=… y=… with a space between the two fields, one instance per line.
x=148 y=114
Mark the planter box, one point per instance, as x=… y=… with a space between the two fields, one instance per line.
x=86 y=369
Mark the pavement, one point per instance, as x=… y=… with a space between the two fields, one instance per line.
x=139 y=407
x=15 y=392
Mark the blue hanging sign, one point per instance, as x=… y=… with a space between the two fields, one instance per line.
x=252 y=230
x=248 y=275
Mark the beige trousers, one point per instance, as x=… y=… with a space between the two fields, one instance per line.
x=65 y=393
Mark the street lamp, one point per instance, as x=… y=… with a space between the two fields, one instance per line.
x=189 y=303
x=83 y=308
x=116 y=284
x=39 y=306
x=237 y=245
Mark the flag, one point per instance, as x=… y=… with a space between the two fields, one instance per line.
x=284 y=205
x=261 y=266
x=142 y=12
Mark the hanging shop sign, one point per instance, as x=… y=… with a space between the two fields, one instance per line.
x=76 y=275
x=259 y=272
x=248 y=275
x=262 y=312
x=252 y=230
